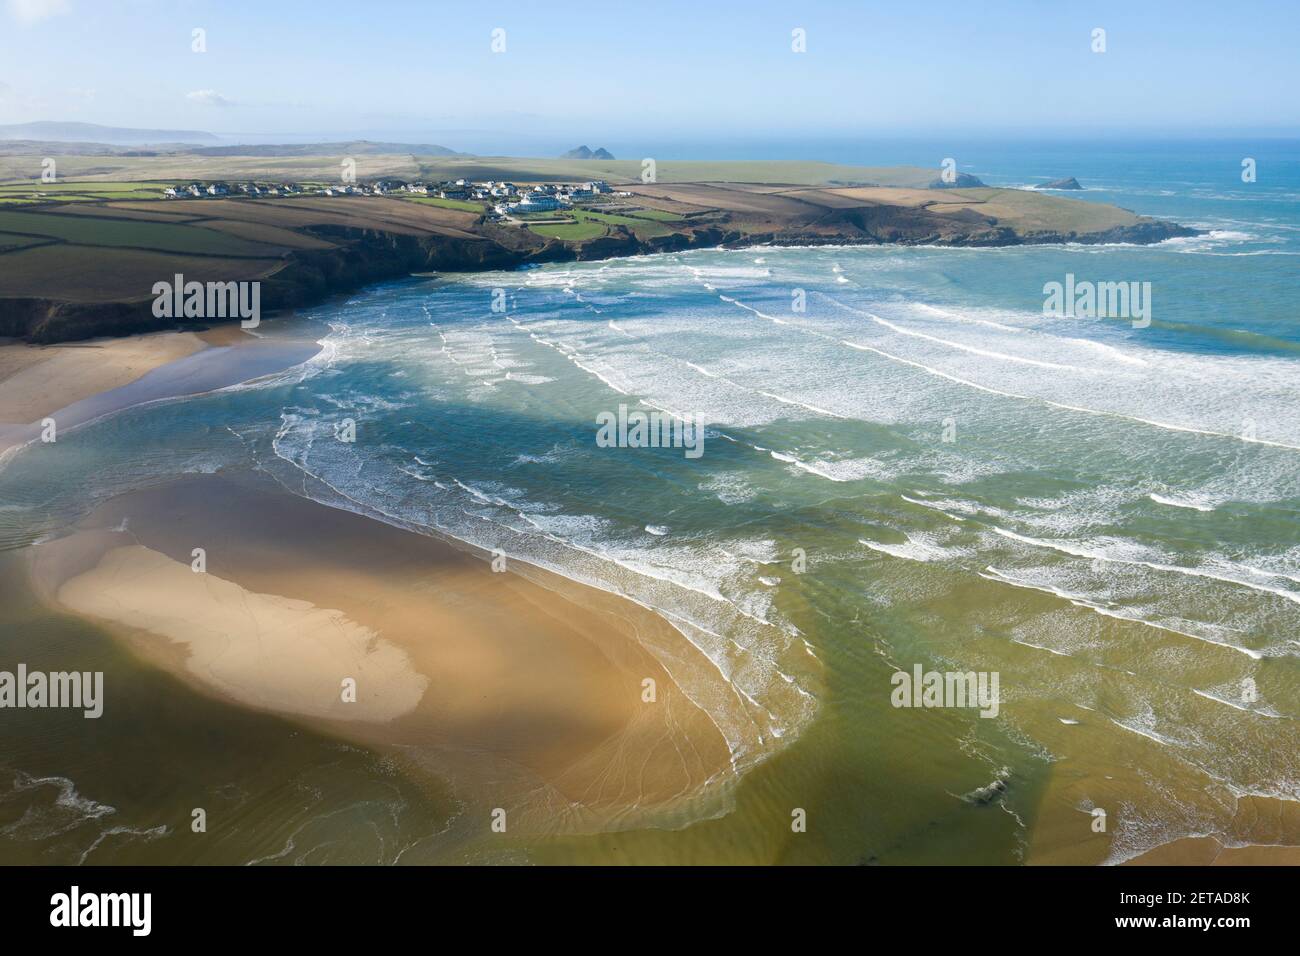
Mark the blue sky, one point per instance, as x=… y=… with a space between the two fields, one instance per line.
x=707 y=70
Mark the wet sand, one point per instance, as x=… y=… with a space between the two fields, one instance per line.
x=1264 y=832
x=36 y=380
x=77 y=383
x=525 y=696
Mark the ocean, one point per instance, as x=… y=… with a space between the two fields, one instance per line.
x=905 y=462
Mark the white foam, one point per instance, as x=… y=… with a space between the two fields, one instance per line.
x=1179 y=503
x=1096 y=555
x=912 y=549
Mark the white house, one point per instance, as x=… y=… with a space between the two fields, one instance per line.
x=537 y=203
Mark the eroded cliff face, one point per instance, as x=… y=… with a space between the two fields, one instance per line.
x=43 y=321
x=365 y=256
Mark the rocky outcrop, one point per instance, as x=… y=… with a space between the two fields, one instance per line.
x=1068 y=183
x=990 y=793
x=961 y=181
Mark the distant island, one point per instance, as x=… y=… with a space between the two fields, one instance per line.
x=79 y=256
x=583 y=152
x=1068 y=183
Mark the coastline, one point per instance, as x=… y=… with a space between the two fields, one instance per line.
x=355 y=255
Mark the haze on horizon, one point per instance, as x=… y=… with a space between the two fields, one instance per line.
x=671 y=72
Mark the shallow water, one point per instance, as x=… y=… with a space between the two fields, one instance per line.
x=1106 y=516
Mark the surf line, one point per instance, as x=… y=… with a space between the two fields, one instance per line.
x=984 y=353
x=1003 y=394
x=576 y=358
x=1070 y=408
x=1091 y=555
x=728 y=381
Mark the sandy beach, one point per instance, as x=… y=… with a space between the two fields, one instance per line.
x=36 y=380
x=530 y=699
x=78 y=382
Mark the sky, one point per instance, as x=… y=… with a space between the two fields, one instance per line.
x=638 y=73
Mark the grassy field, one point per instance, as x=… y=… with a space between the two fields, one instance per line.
x=660 y=215
x=641 y=227
x=570 y=232
x=1026 y=210
x=115 y=251
x=9 y=241
x=80 y=191
x=587 y=224
x=110 y=274
x=110 y=189
x=97 y=231
x=446 y=203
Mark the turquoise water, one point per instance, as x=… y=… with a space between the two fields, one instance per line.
x=919 y=467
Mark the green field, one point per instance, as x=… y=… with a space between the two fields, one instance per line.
x=586 y=224
x=137 y=234
x=74 y=274
x=570 y=232
x=82 y=191
x=642 y=227
x=659 y=215
x=108 y=187
x=76 y=197
x=446 y=203
x=586 y=215
x=86 y=186
x=10 y=241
